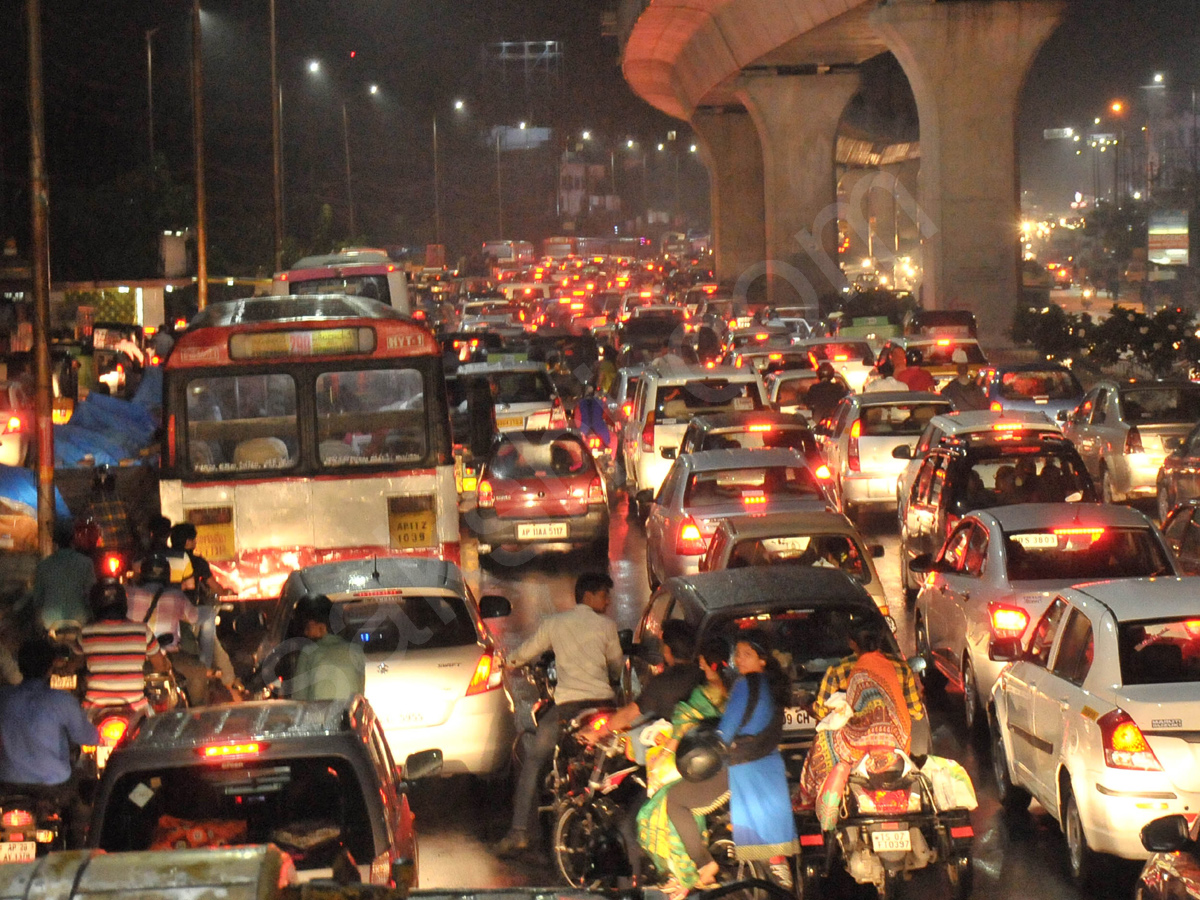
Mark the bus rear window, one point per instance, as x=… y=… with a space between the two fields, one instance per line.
x=373 y=287
x=371 y=417
x=683 y=401
x=241 y=423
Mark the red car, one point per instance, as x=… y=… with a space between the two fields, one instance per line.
x=538 y=488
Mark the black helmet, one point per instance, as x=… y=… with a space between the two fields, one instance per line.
x=156 y=569
x=108 y=600
x=701 y=753
x=826 y=371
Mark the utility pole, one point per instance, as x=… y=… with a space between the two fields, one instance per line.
x=150 y=89
x=349 y=187
x=198 y=149
x=499 y=191
x=437 y=200
x=276 y=146
x=40 y=197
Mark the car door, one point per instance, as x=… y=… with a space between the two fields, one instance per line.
x=1019 y=684
x=1188 y=553
x=664 y=514
x=1187 y=472
x=1058 y=699
x=1078 y=429
x=959 y=608
x=917 y=511
x=632 y=434
x=939 y=597
x=1103 y=429
x=932 y=515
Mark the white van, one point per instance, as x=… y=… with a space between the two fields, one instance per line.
x=357 y=271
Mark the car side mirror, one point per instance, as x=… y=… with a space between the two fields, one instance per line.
x=493 y=606
x=1063 y=415
x=424 y=764
x=668 y=452
x=625 y=636
x=877 y=551
x=1165 y=835
x=922 y=564
x=1005 y=649
x=645 y=496
x=902 y=452
x=918 y=664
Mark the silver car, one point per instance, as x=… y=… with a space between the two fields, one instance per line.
x=1124 y=432
x=703 y=488
x=1000 y=567
x=434 y=673
x=525 y=396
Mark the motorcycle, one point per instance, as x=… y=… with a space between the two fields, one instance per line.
x=29 y=828
x=889 y=827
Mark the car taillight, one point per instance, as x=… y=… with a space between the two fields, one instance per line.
x=112 y=730
x=627 y=408
x=485 y=498
x=595 y=443
x=1133 y=441
x=595 y=492
x=690 y=542
x=759 y=428
x=997 y=406
x=1007 y=621
x=489 y=672
x=648 y=434
x=16 y=818
x=558 y=416
x=14 y=425
x=1125 y=746
x=852 y=462
x=231 y=751
x=112 y=564
x=822 y=472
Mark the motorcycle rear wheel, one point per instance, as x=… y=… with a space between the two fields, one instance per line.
x=574 y=831
x=960 y=877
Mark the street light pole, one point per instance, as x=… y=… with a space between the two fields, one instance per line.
x=276 y=146
x=437 y=200
x=349 y=189
x=198 y=149
x=499 y=191
x=150 y=89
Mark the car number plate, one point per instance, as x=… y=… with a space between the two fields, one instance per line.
x=64 y=682
x=797 y=718
x=891 y=841
x=510 y=422
x=541 y=531
x=18 y=851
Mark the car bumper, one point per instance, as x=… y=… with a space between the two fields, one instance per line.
x=652 y=471
x=870 y=489
x=674 y=565
x=1117 y=809
x=1134 y=474
x=497 y=531
x=476 y=740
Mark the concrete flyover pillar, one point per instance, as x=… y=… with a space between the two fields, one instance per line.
x=729 y=146
x=797 y=118
x=967 y=63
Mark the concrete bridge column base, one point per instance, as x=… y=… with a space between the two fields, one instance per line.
x=730 y=148
x=797 y=118
x=967 y=63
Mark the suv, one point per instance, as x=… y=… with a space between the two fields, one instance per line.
x=316 y=779
x=1045 y=388
x=979 y=471
x=669 y=396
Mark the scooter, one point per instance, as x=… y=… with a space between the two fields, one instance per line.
x=29 y=828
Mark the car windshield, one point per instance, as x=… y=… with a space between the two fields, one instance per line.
x=907 y=419
x=1053 y=384
x=406 y=623
x=1031 y=475
x=941 y=353
x=1084 y=553
x=833 y=551
x=1155 y=406
x=843 y=351
x=521 y=387
x=559 y=458
x=751 y=486
x=764 y=436
x=710 y=395
x=309 y=806
x=1162 y=651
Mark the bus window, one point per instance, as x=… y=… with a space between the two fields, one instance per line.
x=371 y=417
x=242 y=423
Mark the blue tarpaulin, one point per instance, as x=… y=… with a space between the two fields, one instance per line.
x=106 y=428
x=20 y=485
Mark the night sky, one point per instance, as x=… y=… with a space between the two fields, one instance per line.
x=423 y=54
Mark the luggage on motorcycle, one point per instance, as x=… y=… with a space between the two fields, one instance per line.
x=949 y=783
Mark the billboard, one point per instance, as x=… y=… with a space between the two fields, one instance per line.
x=1168 y=238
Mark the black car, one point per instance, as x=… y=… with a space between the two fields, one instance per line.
x=750 y=431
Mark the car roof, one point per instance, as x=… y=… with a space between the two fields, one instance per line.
x=746 y=417
x=759 y=586
x=1032 y=516
x=487 y=368
x=717 y=460
x=1031 y=367
x=887 y=398
x=983 y=420
x=1132 y=599
x=394 y=571
x=783 y=523
x=671 y=371
x=265 y=720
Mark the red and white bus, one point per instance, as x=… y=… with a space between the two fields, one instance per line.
x=509 y=254
x=307 y=429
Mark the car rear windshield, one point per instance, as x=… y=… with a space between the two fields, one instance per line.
x=941 y=353
x=1052 y=384
x=1031 y=474
x=750 y=486
x=373 y=287
x=311 y=807
x=1162 y=651
x=1076 y=553
x=559 y=458
x=833 y=551
x=709 y=395
x=769 y=436
x=906 y=419
x=844 y=351
x=1180 y=405
x=388 y=625
x=521 y=387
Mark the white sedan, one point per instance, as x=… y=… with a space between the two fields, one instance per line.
x=1098 y=717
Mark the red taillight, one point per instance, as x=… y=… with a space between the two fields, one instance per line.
x=852 y=461
x=112 y=564
x=1007 y=621
x=488 y=674
x=171 y=440
x=16 y=818
x=627 y=408
x=690 y=542
x=648 y=434
x=598 y=723
x=822 y=472
x=230 y=751
x=997 y=406
x=1133 y=441
x=596 y=491
x=595 y=443
x=1125 y=746
x=1094 y=533
x=112 y=730
x=14 y=425
x=485 y=497
x=759 y=428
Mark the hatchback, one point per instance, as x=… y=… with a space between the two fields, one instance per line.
x=433 y=670
x=853 y=360
x=523 y=394
x=315 y=779
x=1031 y=387
x=787 y=390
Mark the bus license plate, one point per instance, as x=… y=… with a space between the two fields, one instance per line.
x=891 y=841
x=18 y=851
x=64 y=682
x=503 y=422
x=412 y=529
x=797 y=718
x=541 y=531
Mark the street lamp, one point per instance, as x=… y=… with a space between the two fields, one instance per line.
x=459 y=106
x=198 y=149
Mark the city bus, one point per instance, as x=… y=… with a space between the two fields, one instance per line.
x=509 y=254
x=306 y=429
x=560 y=247
x=358 y=271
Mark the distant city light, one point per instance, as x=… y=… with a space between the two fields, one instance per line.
x=314 y=66
x=1158 y=77
x=1096 y=120
x=1117 y=106
x=374 y=89
x=692 y=149
x=522 y=126
x=660 y=146
x=587 y=135
x=458 y=104
x=629 y=143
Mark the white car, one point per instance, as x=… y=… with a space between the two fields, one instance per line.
x=16 y=424
x=434 y=672
x=1097 y=717
x=525 y=396
x=1001 y=566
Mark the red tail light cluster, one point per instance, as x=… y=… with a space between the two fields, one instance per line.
x=595 y=492
x=112 y=730
x=1007 y=621
x=1133 y=441
x=16 y=818
x=648 y=433
x=1125 y=746
x=852 y=460
x=691 y=541
x=485 y=497
x=14 y=425
x=488 y=674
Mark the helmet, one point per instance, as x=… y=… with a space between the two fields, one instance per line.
x=701 y=753
x=107 y=598
x=157 y=569
x=913 y=357
x=825 y=370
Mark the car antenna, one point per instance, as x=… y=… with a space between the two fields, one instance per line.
x=375 y=567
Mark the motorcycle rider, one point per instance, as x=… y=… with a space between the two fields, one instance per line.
x=38 y=726
x=824 y=394
x=116 y=651
x=61 y=583
x=588 y=659
x=961 y=391
x=109 y=513
x=159 y=604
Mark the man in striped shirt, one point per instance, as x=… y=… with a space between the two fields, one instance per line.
x=116 y=651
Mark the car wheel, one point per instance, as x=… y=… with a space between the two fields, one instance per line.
x=971 y=711
x=1014 y=799
x=1084 y=863
x=910 y=592
x=651 y=579
x=1163 y=499
x=934 y=680
x=1106 y=490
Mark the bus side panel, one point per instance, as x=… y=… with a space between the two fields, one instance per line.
x=170 y=499
x=398 y=288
